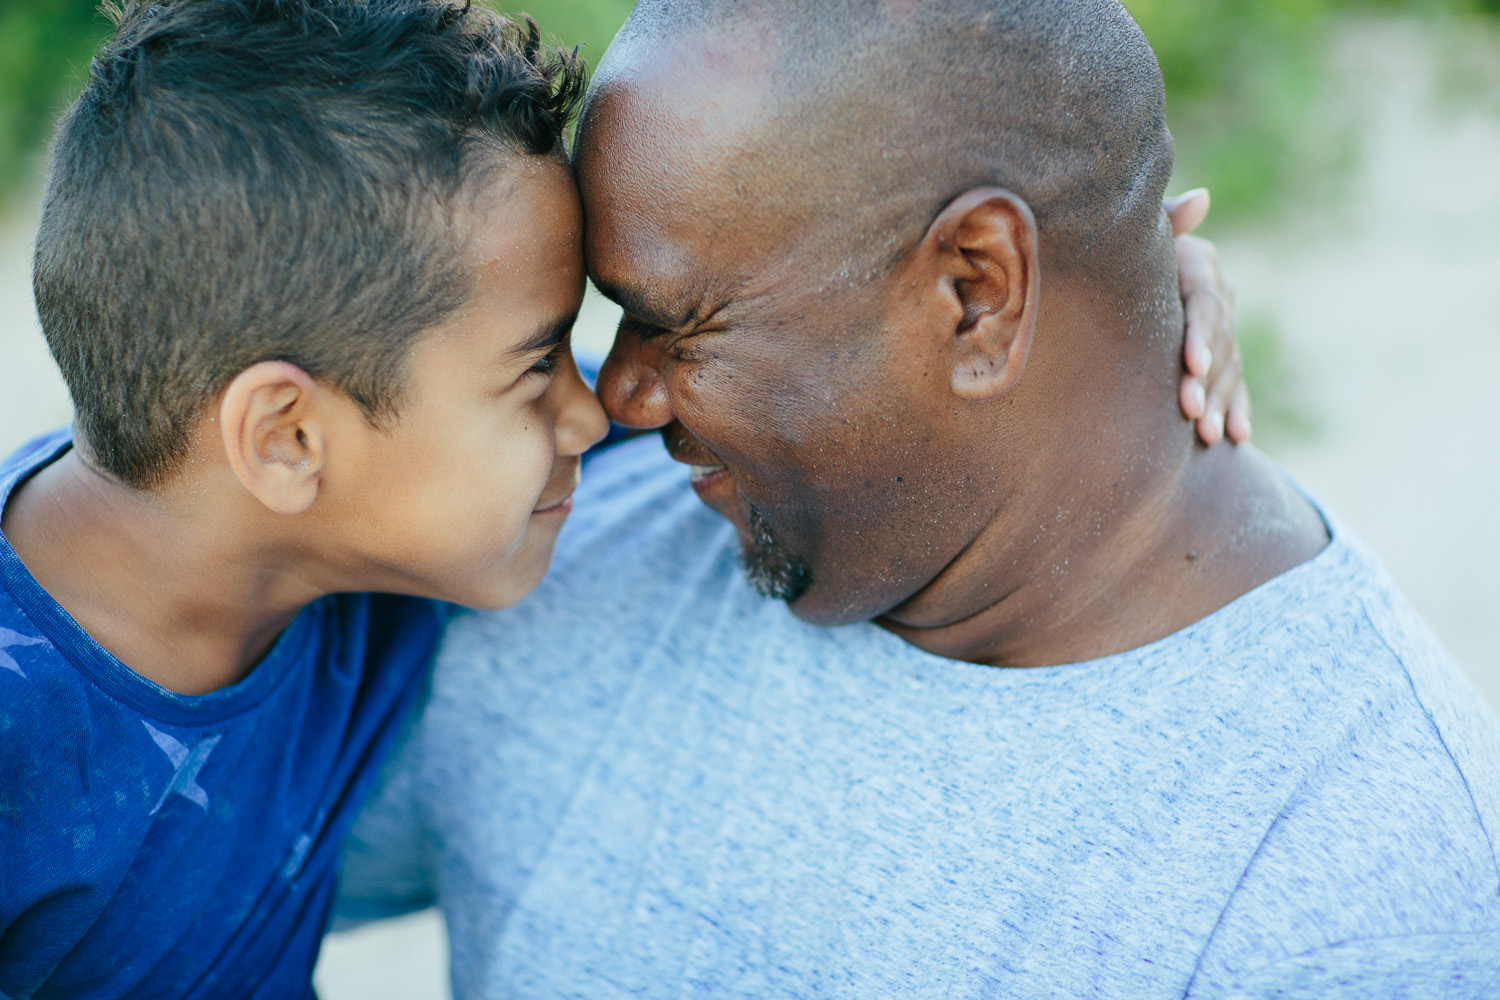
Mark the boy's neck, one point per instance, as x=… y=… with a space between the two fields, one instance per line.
x=169 y=583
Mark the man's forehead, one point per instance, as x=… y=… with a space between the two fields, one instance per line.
x=693 y=103
x=672 y=151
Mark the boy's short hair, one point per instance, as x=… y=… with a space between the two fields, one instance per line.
x=253 y=180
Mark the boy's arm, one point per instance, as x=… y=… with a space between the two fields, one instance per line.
x=389 y=860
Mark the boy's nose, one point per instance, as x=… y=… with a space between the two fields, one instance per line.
x=630 y=384
x=579 y=420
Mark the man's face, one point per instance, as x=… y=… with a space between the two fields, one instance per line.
x=812 y=400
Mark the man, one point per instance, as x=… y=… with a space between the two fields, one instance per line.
x=898 y=289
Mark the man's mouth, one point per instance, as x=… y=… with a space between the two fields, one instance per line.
x=710 y=478
x=685 y=447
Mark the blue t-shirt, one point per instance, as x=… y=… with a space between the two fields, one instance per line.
x=646 y=781
x=158 y=845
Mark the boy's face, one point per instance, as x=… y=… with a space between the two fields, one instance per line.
x=463 y=497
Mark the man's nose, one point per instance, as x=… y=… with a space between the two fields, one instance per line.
x=631 y=386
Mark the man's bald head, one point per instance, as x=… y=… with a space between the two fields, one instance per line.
x=896 y=278
x=876 y=113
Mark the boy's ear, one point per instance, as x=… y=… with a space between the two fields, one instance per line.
x=984 y=245
x=273 y=436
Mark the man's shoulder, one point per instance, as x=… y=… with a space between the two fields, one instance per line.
x=1335 y=626
x=1463 y=725
x=1336 y=632
x=1387 y=766
x=1354 y=626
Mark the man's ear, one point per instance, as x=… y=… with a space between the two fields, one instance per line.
x=985 y=247
x=273 y=435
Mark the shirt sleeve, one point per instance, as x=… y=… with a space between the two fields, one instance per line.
x=389 y=862
x=1456 y=966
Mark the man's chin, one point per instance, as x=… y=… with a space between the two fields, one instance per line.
x=772 y=570
x=778 y=581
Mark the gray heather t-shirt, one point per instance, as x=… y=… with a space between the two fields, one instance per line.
x=647 y=781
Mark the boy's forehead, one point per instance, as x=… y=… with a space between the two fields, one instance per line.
x=523 y=247
x=524 y=217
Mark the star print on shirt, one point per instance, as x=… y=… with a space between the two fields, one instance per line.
x=187 y=763
x=10 y=639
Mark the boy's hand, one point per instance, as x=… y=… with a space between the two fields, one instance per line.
x=1213 y=391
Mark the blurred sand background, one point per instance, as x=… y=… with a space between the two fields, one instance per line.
x=1381 y=307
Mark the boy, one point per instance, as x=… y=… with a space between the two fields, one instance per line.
x=309 y=271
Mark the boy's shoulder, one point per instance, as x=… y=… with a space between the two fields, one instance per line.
x=187 y=831
x=33 y=454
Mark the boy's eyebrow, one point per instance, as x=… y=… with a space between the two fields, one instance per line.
x=545 y=337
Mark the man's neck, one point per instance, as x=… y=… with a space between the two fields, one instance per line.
x=1086 y=575
x=169 y=585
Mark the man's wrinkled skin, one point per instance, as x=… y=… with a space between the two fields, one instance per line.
x=966 y=448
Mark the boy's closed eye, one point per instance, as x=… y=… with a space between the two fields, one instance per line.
x=548 y=363
x=547 y=347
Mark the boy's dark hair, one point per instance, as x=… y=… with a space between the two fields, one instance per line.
x=253 y=180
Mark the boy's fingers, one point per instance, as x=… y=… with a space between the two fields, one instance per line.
x=1228 y=379
x=1192 y=397
x=1209 y=430
x=1208 y=311
x=1237 y=424
x=1188 y=210
x=1212 y=393
x=1196 y=354
x=1210 y=332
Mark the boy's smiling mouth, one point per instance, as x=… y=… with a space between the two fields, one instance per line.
x=559 y=498
x=562 y=506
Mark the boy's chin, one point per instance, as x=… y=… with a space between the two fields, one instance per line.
x=518 y=578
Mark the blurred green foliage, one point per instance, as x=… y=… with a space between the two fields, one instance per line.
x=1240 y=76
x=1284 y=414
x=589 y=24
x=44 y=56
x=1242 y=81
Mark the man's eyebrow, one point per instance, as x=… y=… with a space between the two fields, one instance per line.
x=546 y=336
x=634 y=303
